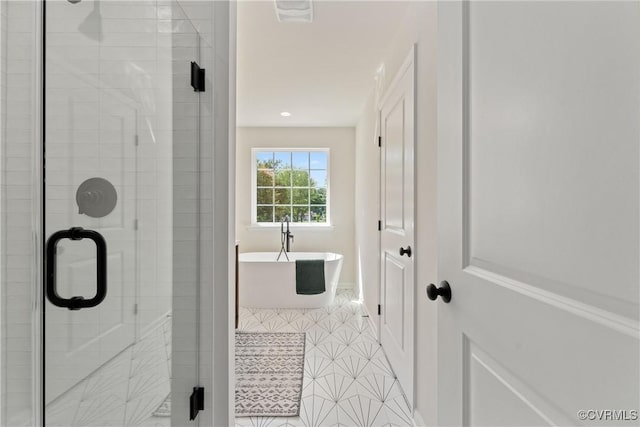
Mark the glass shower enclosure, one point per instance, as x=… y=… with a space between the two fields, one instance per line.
x=100 y=176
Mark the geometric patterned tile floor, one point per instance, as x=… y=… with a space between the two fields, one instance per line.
x=347 y=378
x=124 y=392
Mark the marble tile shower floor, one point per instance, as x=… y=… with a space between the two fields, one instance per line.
x=347 y=378
x=126 y=391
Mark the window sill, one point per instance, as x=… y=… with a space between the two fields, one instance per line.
x=292 y=227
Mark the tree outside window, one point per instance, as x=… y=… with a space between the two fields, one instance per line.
x=293 y=184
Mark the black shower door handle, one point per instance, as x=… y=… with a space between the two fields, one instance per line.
x=76 y=302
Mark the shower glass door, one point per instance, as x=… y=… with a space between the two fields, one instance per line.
x=121 y=213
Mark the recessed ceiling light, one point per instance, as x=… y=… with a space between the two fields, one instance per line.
x=285 y=114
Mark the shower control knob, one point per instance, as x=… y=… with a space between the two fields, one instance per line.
x=444 y=292
x=96 y=197
x=90 y=196
x=406 y=252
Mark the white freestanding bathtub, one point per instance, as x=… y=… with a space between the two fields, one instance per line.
x=267 y=283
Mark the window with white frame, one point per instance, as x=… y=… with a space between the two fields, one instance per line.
x=291 y=183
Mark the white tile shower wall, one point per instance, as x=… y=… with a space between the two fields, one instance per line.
x=200 y=14
x=189 y=138
x=3 y=244
x=114 y=72
x=104 y=87
x=111 y=78
x=18 y=253
x=109 y=107
x=108 y=110
x=143 y=55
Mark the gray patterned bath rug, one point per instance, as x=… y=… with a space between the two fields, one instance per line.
x=269 y=372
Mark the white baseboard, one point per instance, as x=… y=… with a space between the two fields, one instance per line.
x=346 y=285
x=418 y=421
x=372 y=322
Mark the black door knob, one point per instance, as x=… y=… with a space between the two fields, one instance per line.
x=406 y=252
x=444 y=291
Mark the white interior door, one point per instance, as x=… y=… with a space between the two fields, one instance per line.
x=397 y=226
x=538 y=212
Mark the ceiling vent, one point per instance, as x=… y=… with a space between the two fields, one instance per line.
x=294 y=10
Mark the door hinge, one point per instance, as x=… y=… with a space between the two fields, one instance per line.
x=136 y=140
x=379 y=309
x=196 y=402
x=197 y=77
x=379 y=141
x=379 y=225
x=135 y=309
x=135 y=224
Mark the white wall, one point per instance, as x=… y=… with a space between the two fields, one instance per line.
x=420 y=27
x=3 y=245
x=367 y=202
x=222 y=380
x=18 y=271
x=340 y=238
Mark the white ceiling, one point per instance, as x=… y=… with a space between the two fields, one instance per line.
x=322 y=72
